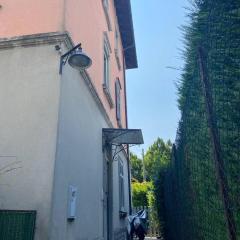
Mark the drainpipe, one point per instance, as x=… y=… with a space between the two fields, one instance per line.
x=126 y=120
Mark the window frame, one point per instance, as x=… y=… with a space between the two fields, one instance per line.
x=106 y=66
x=106 y=6
x=118 y=103
x=116 y=47
x=121 y=185
x=106 y=69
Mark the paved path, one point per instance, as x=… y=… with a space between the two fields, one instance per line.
x=148 y=238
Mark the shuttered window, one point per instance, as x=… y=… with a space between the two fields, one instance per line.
x=106 y=57
x=116 y=39
x=118 y=101
x=106 y=70
x=105 y=4
x=121 y=184
x=116 y=48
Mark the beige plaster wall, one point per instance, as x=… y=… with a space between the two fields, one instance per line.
x=79 y=162
x=29 y=99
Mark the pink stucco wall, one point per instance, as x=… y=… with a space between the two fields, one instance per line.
x=23 y=17
x=84 y=20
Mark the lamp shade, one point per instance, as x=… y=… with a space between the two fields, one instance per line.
x=79 y=60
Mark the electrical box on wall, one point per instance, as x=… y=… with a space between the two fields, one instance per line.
x=72 y=202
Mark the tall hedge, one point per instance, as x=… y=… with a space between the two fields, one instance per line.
x=193 y=204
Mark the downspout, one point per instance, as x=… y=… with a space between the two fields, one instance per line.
x=126 y=120
x=64 y=10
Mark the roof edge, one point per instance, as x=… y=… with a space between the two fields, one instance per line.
x=125 y=22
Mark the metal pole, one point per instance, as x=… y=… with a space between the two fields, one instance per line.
x=217 y=151
x=144 y=172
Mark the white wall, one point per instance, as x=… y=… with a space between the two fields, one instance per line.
x=29 y=98
x=79 y=161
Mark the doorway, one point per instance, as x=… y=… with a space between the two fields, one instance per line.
x=107 y=195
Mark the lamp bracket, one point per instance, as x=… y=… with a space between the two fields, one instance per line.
x=66 y=55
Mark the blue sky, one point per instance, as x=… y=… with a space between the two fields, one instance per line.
x=151 y=89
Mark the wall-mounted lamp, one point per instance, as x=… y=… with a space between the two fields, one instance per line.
x=76 y=59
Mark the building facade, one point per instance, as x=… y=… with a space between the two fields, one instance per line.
x=53 y=157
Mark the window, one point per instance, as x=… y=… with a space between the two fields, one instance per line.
x=118 y=101
x=106 y=58
x=116 y=48
x=106 y=70
x=121 y=184
x=116 y=38
x=105 y=4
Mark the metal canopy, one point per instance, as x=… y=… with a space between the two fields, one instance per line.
x=122 y=136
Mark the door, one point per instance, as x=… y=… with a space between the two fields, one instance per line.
x=107 y=197
x=17 y=224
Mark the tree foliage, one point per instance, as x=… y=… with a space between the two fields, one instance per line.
x=140 y=192
x=157 y=156
x=136 y=168
x=149 y=193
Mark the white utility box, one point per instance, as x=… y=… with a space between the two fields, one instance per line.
x=72 y=202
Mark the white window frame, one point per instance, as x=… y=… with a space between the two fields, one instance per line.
x=121 y=185
x=116 y=35
x=106 y=4
x=106 y=70
x=116 y=47
x=118 y=103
